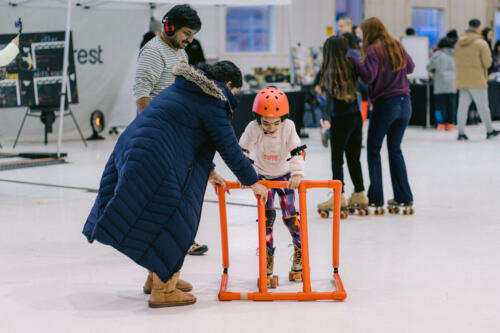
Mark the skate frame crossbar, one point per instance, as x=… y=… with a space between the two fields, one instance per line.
x=263 y=294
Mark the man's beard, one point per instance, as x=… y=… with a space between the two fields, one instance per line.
x=180 y=45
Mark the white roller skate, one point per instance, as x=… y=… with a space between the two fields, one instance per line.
x=358 y=202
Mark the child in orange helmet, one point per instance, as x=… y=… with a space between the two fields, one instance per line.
x=272 y=141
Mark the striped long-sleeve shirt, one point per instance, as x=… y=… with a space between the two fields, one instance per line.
x=154 y=68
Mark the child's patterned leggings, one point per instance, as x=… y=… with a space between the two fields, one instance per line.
x=290 y=216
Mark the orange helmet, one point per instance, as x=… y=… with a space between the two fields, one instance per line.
x=271 y=102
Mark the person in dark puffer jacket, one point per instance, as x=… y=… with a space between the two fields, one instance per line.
x=151 y=193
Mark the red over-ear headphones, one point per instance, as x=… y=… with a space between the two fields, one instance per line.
x=168 y=26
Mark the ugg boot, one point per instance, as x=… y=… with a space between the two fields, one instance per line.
x=181 y=284
x=166 y=294
x=148 y=285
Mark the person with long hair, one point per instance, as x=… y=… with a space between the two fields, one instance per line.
x=384 y=68
x=487 y=34
x=496 y=58
x=340 y=82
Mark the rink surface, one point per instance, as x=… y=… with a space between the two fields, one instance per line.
x=436 y=271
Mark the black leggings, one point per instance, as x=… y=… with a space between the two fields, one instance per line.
x=346 y=135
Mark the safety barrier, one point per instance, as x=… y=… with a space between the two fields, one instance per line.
x=263 y=294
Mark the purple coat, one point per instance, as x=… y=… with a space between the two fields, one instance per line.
x=383 y=83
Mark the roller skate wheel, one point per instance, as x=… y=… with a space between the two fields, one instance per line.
x=352 y=210
x=343 y=215
x=390 y=210
x=323 y=213
x=361 y=212
x=396 y=210
x=408 y=211
x=274 y=281
x=294 y=276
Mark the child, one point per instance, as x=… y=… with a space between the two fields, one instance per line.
x=340 y=82
x=442 y=65
x=272 y=138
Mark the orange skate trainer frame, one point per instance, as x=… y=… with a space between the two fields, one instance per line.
x=263 y=295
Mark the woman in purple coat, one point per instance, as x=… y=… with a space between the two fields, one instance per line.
x=384 y=68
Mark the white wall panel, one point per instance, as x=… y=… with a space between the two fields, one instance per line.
x=396 y=14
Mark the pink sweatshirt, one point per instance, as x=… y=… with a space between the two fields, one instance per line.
x=271 y=152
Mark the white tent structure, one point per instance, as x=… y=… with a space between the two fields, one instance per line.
x=122 y=4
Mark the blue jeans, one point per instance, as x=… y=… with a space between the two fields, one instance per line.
x=390 y=116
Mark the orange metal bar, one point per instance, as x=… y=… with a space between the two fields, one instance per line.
x=223 y=227
x=337 y=192
x=262 y=248
x=304 y=238
x=263 y=294
x=300 y=296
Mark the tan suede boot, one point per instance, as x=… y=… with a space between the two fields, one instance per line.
x=181 y=284
x=166 y=294
x=148 y=285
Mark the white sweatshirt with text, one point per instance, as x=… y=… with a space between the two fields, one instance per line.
x=270 y=152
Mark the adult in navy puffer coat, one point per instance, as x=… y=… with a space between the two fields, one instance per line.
x=151 y=193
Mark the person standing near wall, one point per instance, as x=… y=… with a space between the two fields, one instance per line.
x=453 y=35
x=442 y=65
x=384 y=68
x=154 y=71
x=496 y=58
x=473 y=58
x=487 y=34
x=160 y=54
x=344 y=25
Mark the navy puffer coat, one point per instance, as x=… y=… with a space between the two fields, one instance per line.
x=151 y=192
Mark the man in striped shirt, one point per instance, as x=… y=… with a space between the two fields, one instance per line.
x=159 y=55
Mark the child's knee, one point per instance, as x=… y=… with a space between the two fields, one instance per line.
x=292 y=223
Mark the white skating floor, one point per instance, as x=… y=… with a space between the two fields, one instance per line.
x=436 y=271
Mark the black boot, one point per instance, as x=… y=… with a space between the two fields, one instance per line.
x=492 y=134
